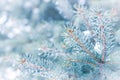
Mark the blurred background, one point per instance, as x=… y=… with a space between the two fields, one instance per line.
x=27 y=25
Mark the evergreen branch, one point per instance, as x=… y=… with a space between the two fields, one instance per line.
x=102 y=37
x=104 y=47
x=24 y=61
x=79 y=10
x=82 y=45
x=71 y=60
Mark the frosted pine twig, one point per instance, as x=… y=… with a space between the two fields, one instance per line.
x=80 y=61
x=80 y=12
x=81 y=44
x=24 y=61
x=102 y=35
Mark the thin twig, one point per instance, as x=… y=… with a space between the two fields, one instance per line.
x=102 y=37
x=71 y=60
x=24 y=61
x=82 y=45
x=86 y=21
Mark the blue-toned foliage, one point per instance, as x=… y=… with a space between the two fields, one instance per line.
x=89 y=39
x=40 y=60
x=34 y=44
